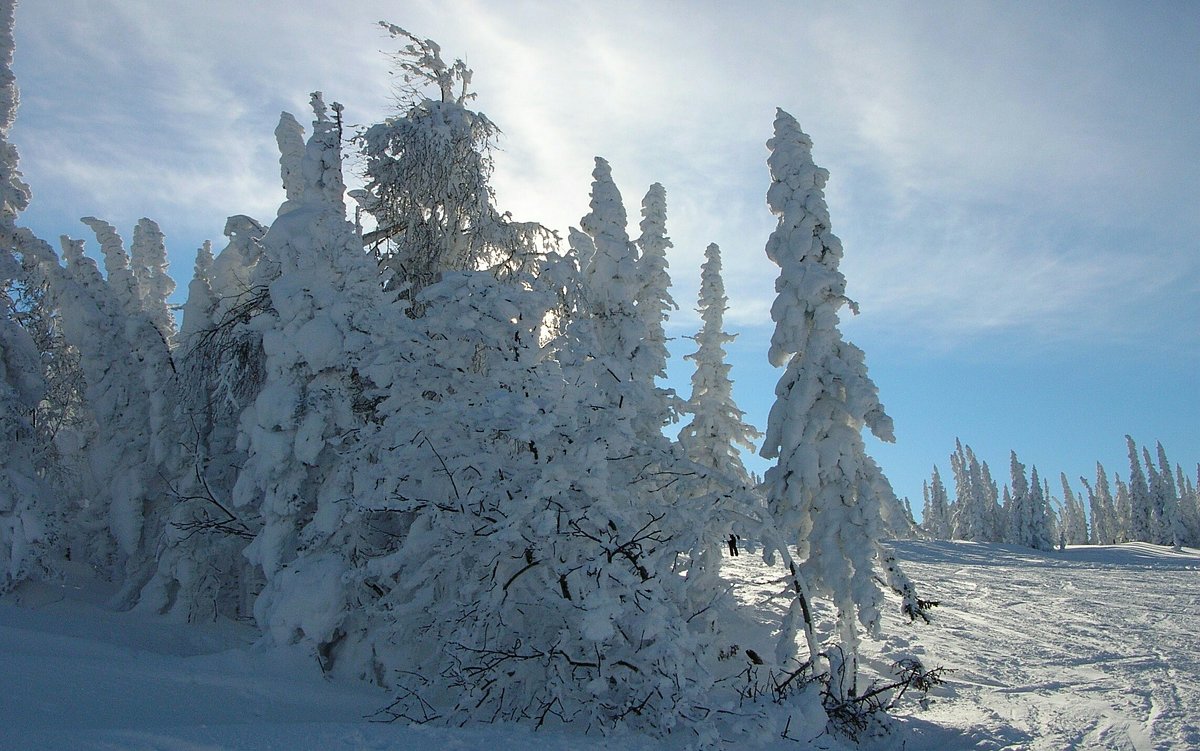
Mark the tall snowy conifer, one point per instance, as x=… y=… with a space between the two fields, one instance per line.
x=611 y=283
x=1100 y=503
x=820 y=490
x=323 y=304
x=717 y=427
x=971 y=514
x=1141 y=508
x=653 y=302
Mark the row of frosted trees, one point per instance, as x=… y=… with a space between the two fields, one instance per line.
x=433 y=452
x=1157 y=504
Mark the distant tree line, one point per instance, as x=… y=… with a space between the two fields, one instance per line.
x=1156 y=503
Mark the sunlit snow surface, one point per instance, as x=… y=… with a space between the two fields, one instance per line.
x=1094 y=647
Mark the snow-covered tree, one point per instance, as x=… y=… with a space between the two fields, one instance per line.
x=201 y=300
x=717 y=427
x=427 y=174
x=653 y=299
x=972 y=517
x=1164 y=500
x=820 y=489
x=1124 y=511
x=1074 y=518
x=23 y=526
x=1042 y=530
x=148 y=258
x=991 y=495
x=1103 y=512
x=318 y=320
x=1028 y=510
x=935 y=517
x=1142 y=522
x=1189 y=506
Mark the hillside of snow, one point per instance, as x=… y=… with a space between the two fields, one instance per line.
x=1093 y=647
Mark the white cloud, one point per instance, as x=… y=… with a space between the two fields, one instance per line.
x=991 y=166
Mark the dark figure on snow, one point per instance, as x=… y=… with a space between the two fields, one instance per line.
x=733 y=548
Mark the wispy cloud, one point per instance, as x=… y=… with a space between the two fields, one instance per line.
x=994 y=171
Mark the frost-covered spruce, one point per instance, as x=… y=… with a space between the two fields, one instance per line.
x=1141 y=510
x=1124 y=511
x=1164 y=499
x=117 y=530
x=935 y=518
x=201 y=301
x=611 y=284
x=820 y=491
x=315 y=326
x=717 y=427
x=427 y=174
x=1189 y=501
x=148 y=259
x=653 y=302
x=1074 y=516
x=1100 y=504
x=1041 y=532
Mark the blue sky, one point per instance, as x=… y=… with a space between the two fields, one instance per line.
x=1016 y=185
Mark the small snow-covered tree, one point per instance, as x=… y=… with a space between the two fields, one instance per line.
x=1074 y=518
x=717 y=427
x=820 y=489
x=1189 y=506
x=1164 y=500
x=935 y=517
x=1124 y=511
x=1142 y=522
x=972 y=517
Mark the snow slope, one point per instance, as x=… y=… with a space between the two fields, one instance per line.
x=1094 y=647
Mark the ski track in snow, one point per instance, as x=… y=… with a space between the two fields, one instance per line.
x=1091 y=648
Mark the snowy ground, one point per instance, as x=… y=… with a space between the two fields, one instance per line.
x=1090 y=648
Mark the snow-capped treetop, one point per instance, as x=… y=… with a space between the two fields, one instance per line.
x=322 y=162
x=198 y=310
x=289 y=135
x=116 y=265
x=583 y=247
x=810 y=287
x=427 y=174
x=653 y=243
x=611 y=277
x=148 y=257
x=420 y=62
